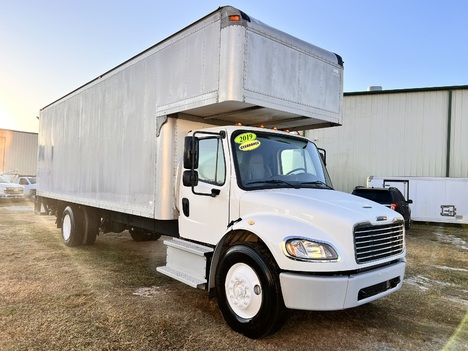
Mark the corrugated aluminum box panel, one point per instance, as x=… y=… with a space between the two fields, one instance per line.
x=110 y=163
x=263 y=76
x=238 y=71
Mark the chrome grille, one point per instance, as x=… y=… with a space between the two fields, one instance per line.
x=375 y=242
x=13 y=190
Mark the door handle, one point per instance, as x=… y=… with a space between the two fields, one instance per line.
x=185 y=207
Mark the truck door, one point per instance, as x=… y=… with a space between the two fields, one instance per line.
x=203 y=217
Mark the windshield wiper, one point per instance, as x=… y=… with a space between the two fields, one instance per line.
x=318 y=182
x=274 y=181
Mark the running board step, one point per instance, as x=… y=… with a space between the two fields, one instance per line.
x=187 y=262
x=182 y=277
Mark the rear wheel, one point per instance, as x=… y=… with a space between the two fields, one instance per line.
x=72 y=226
x=91 y=222
x=248 y=291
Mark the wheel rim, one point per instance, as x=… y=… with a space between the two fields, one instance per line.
x=243 y=291
x=66 y=227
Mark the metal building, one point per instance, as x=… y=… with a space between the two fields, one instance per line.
x=407 y=132
x=18 y=152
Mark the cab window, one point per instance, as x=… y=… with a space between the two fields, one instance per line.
x=211 y=163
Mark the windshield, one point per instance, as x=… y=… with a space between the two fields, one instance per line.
x=267 y=160
x=4 y=180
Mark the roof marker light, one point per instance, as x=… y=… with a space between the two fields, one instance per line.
x=235 y=18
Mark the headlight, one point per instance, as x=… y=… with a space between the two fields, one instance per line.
x=310 y=250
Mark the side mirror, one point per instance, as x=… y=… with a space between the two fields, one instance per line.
x=409 y=201
x=190 y=153
x=323 y=155
x=190 y=178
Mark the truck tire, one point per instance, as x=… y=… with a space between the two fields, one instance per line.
x=138 y=234
x=142 y=235
x=91 y=222
x=248 y=291
x=72 y=226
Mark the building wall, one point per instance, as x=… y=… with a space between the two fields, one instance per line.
x=458 y=161
x=414 y=132
x=18 y=152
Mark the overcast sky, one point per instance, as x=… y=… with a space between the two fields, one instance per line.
x=50 y=47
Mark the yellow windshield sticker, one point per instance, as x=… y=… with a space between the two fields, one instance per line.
x=249 y=145
x=245 y=137
x=248 y=141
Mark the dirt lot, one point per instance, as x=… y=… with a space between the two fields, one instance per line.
x=109 y=297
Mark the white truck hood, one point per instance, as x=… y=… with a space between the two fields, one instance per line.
x=317 y=205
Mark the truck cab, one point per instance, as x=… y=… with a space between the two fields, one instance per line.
x=30 y=186
x=272 y=232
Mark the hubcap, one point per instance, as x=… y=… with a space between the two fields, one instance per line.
x=243 y=290
x=66 y=227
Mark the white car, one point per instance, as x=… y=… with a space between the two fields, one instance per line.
x=10 y=190
x=30 y=186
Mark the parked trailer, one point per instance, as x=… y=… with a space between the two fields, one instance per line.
x=435 y=199
x=154 y=146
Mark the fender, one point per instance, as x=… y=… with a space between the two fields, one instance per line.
x=272 y=229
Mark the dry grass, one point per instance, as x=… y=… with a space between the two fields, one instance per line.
x=109 y=297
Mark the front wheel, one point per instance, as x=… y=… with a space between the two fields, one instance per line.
x=248 y=291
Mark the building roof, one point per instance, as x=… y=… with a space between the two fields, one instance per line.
x=410 y=90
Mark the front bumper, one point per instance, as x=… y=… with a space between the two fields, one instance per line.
x=11 y=196
x=328 y=293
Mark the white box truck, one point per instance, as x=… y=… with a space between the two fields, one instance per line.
x=167 y=143
x=435 y=199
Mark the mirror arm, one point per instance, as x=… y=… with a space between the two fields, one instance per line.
x=214 y=192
